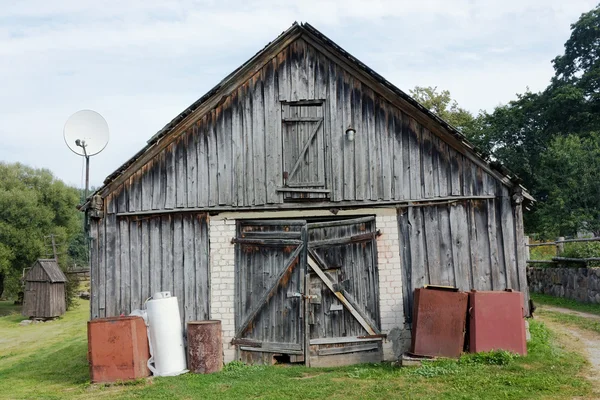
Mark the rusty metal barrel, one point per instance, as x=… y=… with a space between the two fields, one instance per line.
x=205 y=346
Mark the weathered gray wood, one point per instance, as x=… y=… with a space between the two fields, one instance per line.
x=170 y=177
x=414 y=140
x=95 y=269
x=427 y=161
x=180 y=171
x=520 y=247
x=349 y=156
x=101 y=282
x=178 y=263
x=124 y=247
x=189 y=261
x=225 y=155
x=346 y=359
x=191 y=143
x=155 y=255
x=213 y=160
x=135 y=248
x=447 y=277
x=347 y=349
x=460 y=246
x=112 y=265
x=273 y=151
x=145 y=290
x=432 y=246
x=341 y=340
x=167 y=247
x=508 y=244
x=497 y=270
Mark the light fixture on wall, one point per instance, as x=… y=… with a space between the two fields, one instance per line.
x=350 y=132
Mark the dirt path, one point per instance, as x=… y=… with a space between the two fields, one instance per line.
x=582 y=341
x=571 y=312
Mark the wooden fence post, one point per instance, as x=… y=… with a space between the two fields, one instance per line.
x=526 y=244
x=560 y=246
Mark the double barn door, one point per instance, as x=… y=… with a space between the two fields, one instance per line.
x=307 y=291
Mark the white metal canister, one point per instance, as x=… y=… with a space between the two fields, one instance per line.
x=166 y=336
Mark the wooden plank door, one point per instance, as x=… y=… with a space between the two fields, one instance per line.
x=270 y=269
x=304 y=152
x=342 y=303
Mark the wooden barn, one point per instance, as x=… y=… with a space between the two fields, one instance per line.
x=45 y=286
x=300 y=202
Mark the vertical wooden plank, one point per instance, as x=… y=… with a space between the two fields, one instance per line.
x=170 y=176
x=258 y=140
x=191 y=164
x=443 y=169
x=508 y=242
x=435 y=162
x=178 y=267
x=284 y=75
x=309 y=65
x=155 y=255
x=395 y=128
x=156 y=179
x=419 y=274
x=432 y=245
x=124 y=249
x=445 y=240
x=146 y=188
x=384 y=159
x=180 y=172
x=237 y=149
x=321 y=76
x=427 y=162
x=203 y=163
x=224 y=149
x=189 y=270
x=145 y=261
x=335 y=129
x=135 y=234
x=349 y=146
x=360 y=144
x=201 y=265
x=497 y=270
x=101 y=286
x=456 y=172
x=298 y=70
x=460 y=235
x=273 y=147
x=113 y=270
x=248 y=174
x=166 y=238
x=122 y=195
x=94 y=268
x=414 y=140
x=481 y=245
x=213 y=161
x=406 y=157
x=373 y=142
x=520 y=245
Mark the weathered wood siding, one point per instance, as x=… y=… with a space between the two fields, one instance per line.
x=467 y=244
x=44 y=299
x=134 y=257
x=234 y=156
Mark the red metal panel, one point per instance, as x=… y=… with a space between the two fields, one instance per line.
x=439 y=320
x=117 y=349
x=496 y=322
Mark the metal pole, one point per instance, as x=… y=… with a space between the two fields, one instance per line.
x=87 y=174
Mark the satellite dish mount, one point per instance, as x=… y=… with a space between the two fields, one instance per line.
x=86 y=134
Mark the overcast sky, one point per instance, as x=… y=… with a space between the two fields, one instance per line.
x=139 y=63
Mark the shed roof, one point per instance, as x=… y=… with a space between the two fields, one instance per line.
x=296 y=30
x=51 y=272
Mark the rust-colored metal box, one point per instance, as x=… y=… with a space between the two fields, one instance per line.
x=205 y=346
x=118 y=349
x=496 y=322
x=439 y=319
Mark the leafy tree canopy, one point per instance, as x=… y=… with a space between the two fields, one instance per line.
x=33 y=204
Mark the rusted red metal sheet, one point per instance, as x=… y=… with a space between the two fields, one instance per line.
x=496 y=322
x=205 y=347
x=439 y=320
x=117 y=349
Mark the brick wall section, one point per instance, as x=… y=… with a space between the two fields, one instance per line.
x=390 y=288
x=222 y=280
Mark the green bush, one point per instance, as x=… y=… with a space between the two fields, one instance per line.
x=583 y=250
x=496 y=357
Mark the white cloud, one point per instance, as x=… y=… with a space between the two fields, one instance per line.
x=139 y=63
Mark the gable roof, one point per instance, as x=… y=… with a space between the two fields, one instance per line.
x=53 y=272
x=323 y=43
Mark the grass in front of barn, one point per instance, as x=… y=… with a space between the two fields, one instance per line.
x=578 y=321
x=49 y=361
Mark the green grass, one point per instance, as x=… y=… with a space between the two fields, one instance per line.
x=572 y=320
x=544 y=299
x=48 y=361
x=8 y=307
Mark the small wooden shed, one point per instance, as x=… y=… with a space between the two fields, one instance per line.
x=44 y=290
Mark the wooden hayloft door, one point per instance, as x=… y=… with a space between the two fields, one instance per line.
x=308 y=292
x=304 y=151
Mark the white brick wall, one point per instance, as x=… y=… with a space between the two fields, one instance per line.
x=222 y=280
x=390 y=285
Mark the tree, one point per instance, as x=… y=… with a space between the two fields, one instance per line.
x=570 y=175
x=442 y=105
x=33 y=204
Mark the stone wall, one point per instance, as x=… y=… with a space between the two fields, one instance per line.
x=582 y=284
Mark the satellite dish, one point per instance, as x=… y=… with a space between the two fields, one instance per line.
x=86 y=133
